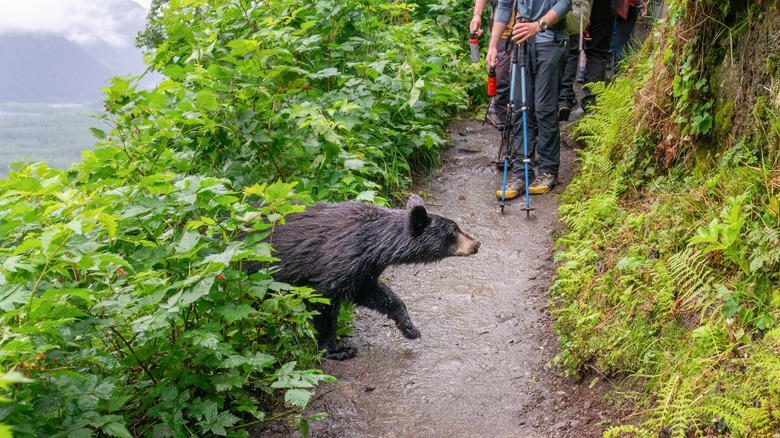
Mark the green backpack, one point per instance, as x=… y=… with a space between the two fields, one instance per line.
x=577 y=19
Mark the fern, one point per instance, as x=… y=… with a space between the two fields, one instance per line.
x=591 y=215
x=620 y=431
x=731 y=413
x=749 y=404
x=765 y=372
x=597 y=172
x=675 y=415
x=693 y=279
x=666 y=293
x=605 y=128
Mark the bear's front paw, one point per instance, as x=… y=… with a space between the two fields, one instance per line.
x=342 y=352
x=409 y=330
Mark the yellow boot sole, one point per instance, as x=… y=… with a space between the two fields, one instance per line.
x=509 y=194
x=538 y=190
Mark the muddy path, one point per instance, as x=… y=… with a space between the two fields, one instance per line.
x=483 y=365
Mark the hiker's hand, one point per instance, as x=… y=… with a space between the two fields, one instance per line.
x=476 y=25
x=522 y=31
x=492 y=57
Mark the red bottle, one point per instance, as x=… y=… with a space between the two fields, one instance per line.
x=491 y=88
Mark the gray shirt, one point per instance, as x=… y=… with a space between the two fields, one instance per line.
x=534 y=10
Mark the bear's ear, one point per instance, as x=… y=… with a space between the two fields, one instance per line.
x=414 y=201
x=418 y=220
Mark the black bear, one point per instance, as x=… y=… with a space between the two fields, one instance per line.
x=340 y=250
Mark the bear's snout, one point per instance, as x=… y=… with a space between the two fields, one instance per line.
x=466 y=245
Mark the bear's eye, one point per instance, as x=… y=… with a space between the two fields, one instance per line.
x=452 y=235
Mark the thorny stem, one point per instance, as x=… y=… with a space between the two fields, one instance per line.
x=129 y=347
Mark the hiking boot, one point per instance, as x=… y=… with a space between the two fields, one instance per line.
x=563 y=113
x=513 y=188
x=542 y=184
x=493 y=119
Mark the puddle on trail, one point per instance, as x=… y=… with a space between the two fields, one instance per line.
x=481 y=366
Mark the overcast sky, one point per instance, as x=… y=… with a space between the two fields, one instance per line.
x=81 y=21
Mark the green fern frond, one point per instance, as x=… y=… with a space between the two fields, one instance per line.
x=693 y=279
x=592 y=214
x=604 y=129
x=730 y=412
x=597 y=175
x=764 y=401
x=665 y=290
x=675 y=415
x=621 y=431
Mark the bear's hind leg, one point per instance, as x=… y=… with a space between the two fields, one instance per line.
x=381 y=298
x=340 y=351
x=325 y=324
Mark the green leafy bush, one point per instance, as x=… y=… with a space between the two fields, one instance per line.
x=342 y=97
x=121 y=290
x=127 y=309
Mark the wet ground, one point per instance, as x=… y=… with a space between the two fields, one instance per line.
x=483 y=365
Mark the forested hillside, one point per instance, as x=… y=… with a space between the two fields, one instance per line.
x=670 y=268
x=50 y=133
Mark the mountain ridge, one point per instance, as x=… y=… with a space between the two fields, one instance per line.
x=45 y=67
x=48 y=69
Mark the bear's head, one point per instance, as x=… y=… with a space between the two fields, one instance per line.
x=435 y=237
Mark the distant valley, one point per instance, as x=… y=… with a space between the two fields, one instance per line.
x=49 y=86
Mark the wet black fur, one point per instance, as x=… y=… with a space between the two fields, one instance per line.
x=340 y=250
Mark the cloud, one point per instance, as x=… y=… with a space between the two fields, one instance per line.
x=80 y=21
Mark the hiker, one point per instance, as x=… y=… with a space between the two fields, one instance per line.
x=498 y=104
x=546 y=43
x=596 y=48
x=627 y=12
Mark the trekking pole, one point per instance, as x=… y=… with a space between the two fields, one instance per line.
x=524 y=110
x=507 y=141
x=582 y=32
x=581 y=66
x=506 y=147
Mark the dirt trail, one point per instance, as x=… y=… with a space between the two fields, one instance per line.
x=482 y=367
